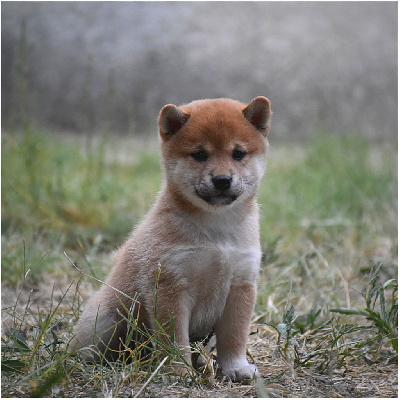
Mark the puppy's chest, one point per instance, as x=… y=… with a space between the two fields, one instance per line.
x=206 y=275
x=205 y=265
x=216 y=248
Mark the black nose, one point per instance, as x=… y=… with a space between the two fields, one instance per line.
x=222 y=182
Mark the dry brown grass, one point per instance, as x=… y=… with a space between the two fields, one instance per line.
x=327 y=218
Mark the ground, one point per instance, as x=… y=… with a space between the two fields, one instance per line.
x=325 y=323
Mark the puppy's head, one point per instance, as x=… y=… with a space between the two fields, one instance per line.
x=214 y=150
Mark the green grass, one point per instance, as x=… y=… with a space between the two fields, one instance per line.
x=328 y=218
x=60 y=196
x=58 y=185
x=331 y=179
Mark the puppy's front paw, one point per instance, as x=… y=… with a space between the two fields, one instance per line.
x=239 y=370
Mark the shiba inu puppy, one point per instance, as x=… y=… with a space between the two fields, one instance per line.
x=198 y=247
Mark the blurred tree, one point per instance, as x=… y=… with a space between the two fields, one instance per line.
x=324 y=65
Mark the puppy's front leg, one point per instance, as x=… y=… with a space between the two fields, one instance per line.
x=232 y=332
x=173 y=314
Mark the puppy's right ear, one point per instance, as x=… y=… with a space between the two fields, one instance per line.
x=258 y=113
x=171 y=119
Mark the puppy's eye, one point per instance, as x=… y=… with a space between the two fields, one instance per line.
x=238 y=155
x=200 y=155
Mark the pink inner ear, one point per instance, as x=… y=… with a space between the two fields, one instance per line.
x=172 y=119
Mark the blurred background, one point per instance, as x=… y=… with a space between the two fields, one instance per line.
x=110 y=66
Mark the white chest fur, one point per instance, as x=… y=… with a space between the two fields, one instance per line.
x=215 y=253
x=207 y=274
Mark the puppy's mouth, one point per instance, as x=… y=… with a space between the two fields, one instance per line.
x=218 y=199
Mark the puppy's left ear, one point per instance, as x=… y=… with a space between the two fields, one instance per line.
x=171 y=120
x=258 y=113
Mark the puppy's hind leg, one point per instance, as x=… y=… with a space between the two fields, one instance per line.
x=99 y=331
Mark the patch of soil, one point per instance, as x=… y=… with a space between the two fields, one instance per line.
x=279 y=377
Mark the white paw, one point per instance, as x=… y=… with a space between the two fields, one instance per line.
x=239 y=370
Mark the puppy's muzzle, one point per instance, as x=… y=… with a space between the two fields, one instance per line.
x=220 y=191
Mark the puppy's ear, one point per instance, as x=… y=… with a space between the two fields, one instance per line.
x=171 y=119
x=258 y=113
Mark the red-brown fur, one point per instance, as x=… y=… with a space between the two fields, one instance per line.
x=199 y=244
